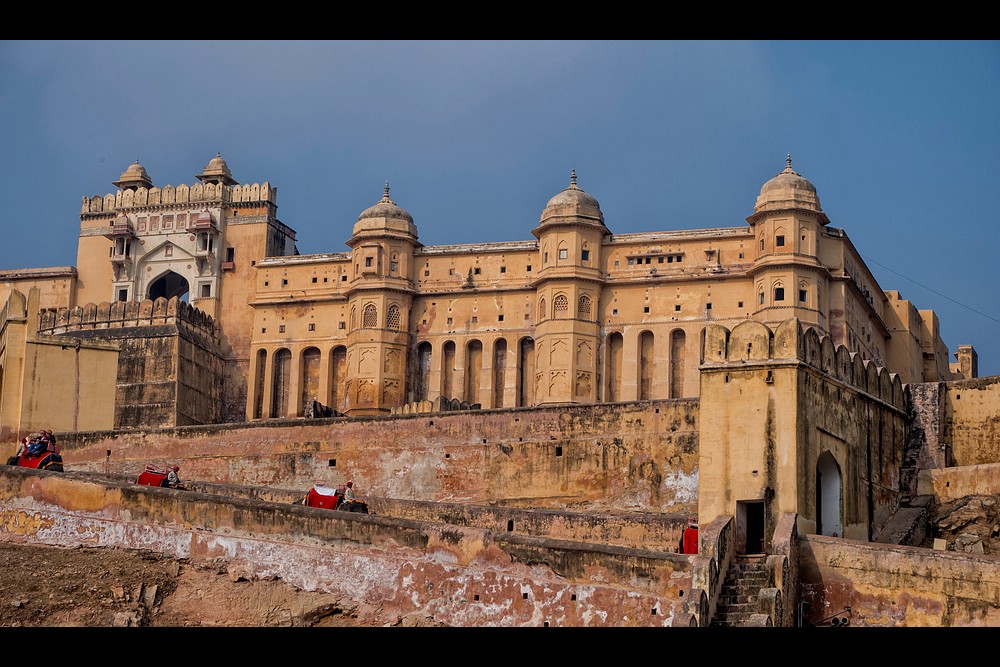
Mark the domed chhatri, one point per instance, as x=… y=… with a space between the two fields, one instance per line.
x=386 y=215
x=788 y=190
x=573 y=203
x=217 y=171
x=134 y=177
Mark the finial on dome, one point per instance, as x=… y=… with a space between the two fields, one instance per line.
x=385 y=197
x=572 y=179
x=788 y=165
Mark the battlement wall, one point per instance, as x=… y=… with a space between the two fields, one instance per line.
x=170 y=366
x=752 y=342
x=783 y=404
x=127 y=314
x=181 y=194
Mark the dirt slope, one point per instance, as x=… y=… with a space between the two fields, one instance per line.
x=43 y=586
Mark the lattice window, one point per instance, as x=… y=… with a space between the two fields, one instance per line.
x=583 y=307
x=392 y=317
x=560 y=305
x=369 y=320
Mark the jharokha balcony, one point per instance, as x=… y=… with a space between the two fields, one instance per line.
x=121 y=227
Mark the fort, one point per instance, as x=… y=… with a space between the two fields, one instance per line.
x=532 y=423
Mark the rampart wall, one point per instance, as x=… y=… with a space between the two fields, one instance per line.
x=773 y=403
x=947 y=484
x=658 y=531
x=170 y=366
x=972 y=420
x=640 y=456
x=127 y=314
x=458 y=575
x=897 y=586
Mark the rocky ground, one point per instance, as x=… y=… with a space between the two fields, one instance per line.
x=970 y=524
x=99 y=587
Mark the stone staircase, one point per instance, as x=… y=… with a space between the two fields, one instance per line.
x=737 y=605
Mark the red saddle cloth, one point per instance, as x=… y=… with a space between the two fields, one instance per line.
x=316 y=499
x=40 y=461
x=152 y=478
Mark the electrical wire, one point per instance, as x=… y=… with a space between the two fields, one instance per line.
x=943 y=296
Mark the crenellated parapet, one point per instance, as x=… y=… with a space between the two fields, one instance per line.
x=752 y=342
x=207 y=193
x=127 y=314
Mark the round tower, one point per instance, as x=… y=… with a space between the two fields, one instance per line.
x=380 y=298
x=568 y=292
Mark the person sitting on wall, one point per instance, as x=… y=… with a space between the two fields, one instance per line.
x=173 y=479
x=349 y=493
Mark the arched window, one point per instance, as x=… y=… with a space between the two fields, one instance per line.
x=560 y=305
x=779 y=293
x=369 y=320
x=541 y=309
x=583 y=307
x=392 y=318
x=354 y=319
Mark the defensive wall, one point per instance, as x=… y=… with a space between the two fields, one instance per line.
x=897 y=586
x=527 y=507
x=480 y=566
x=638 y=456
x=775 y=406
x=459 y=575
x=972 y=420
x=48 y=381
x=170 y=365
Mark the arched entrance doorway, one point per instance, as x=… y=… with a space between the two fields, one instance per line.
x=828 y=496
x=168 y=286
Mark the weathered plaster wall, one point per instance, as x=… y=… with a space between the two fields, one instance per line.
x=637 y=456
x=972 y=421
x=897 y=586
x=948 y=484
x=659 y=531
x=458 y=575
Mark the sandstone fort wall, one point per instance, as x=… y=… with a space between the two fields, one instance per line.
x=459 y=575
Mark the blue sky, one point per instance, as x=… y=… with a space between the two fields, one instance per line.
x=900 y=138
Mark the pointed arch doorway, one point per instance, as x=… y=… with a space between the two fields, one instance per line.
x=168 y=286
x=828 y=500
